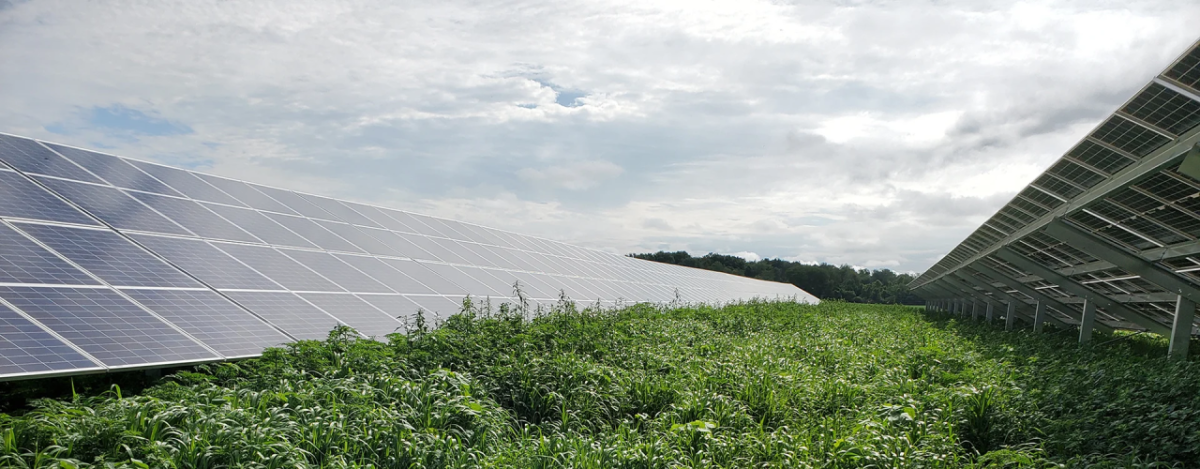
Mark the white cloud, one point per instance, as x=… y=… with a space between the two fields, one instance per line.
x=578 y=175
x=874 y=135
x=750 y=256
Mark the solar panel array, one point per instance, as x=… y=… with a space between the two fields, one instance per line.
x=111 y=263
x=1109 y=231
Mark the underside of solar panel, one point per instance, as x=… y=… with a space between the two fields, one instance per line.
x=109 y=263
x=1108 y=236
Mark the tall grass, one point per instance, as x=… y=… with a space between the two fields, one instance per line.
x=745 y=385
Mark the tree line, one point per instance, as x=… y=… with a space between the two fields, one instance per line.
x=826 y=281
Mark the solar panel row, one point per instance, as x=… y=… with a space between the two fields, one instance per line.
x=110 y=263
x=1110 y=230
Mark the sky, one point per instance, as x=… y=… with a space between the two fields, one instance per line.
x=875 y=134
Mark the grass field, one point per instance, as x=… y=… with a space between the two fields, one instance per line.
x=751 y=385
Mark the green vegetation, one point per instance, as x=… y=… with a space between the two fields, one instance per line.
x=826 y=281
x=748 y=385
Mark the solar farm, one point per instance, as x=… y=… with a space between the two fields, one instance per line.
x=153 y=316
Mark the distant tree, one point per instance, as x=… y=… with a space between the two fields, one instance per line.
x=826 y=281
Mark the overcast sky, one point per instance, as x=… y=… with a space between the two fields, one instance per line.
x=873 y=134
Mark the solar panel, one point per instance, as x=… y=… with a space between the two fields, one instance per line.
x=128 y=263
x=437 y=307
x=464 y=283
x=246 y=194
x=20 y=198
x=113 y=206
x=260 y=226
x=24 y=261
x=394 y=306
x=106 y=325
x=278 y=267
x=418 y=271
x=294 y=202
x=31 y=157
x=360 y=238
x=26 y=349
x=114 y=170
x=207 y=263
x=314 y=233
x=343 y=274
x=339 y=211
x=360 y=315
x=288 y=312
x=195 y=217
x=186 y=183
x=212 y=319
x=109 y=256
x=382 y=272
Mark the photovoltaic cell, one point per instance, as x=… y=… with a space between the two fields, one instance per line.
x=213 y=320
x=420 y=273
x=186 y=183
x=20 y=198
x=395 y=306
x=105 y=325
x=295 y=202
x=109 y=256
x=339 y=211
x=408 y=220
x=278 y=267
x=380 y=217
x=460 y=249
x=357 y=313
x=360 y=238
x=444 y=227
x=23 y=261
x=401 y=246
x=288 y=312
x=437 y=251
x=113 y=206
x=340 y=272
x=260 y=226
x=195 y=218
x=465 y=282
x=534 y=287
x=248 y=195
x=435 y=227
x=27 y=349
x=114 y=170
x=438 y=307
x=389 y=243
x=207 y=263
x=313 y=232
x=498 y=280
x=381 y=271
x=31 y=157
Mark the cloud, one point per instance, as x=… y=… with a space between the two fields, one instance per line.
x=576 y=175
x=867 y=134
x=750 y=256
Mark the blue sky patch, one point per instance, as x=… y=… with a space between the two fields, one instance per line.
x=121 y=118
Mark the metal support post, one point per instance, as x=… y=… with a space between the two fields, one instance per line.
x=974 y=309
x=1181 y=328
x=988 y=315
x=1039 y=316
x=1081 y=291
x=1036 y=295
x=1009 y=316
x=1087 y=321
x=1099 y=247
